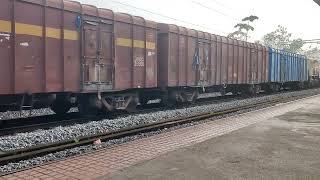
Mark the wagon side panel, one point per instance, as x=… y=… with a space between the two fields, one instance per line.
x=123 y=56
x=29 y=52
x=6 y=49
x=151 y=58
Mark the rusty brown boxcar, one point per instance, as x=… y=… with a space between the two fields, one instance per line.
x=61 y=53
x=57 y=52
x=191 y=60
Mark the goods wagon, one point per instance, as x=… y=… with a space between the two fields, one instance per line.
x=314 y=68
x=287 y=69
x=314 y=72
x=59 y=53
x=191 y=61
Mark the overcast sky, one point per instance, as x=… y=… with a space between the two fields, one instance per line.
x=219 y=16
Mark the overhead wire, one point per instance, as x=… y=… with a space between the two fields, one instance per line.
x=168 y=17
x=308 y=41
x=222 y=5
x=215 y=10
x=311 y=40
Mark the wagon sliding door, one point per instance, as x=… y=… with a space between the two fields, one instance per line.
x=98 y=62
x=204 y=64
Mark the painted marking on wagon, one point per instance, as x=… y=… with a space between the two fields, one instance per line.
x=138 y=44
x=151 y=45
x=34 y=30
x=53 y=33
x=70 y=35
x=138 y=61
x=125 y=42
x=5 y=26
x=28 y=29
x=150 y=53
x=5 y=37
x=25 y=44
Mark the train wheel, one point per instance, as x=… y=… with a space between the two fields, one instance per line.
x=61 y=105
x=166 y=101
x=87 y=106
x=269 y=89
x=253 y=90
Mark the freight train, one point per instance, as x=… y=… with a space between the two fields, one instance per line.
x=60 y=54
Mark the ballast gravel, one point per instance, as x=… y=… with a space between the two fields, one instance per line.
x=89 y=148
x=23 y=140
x=26 y=113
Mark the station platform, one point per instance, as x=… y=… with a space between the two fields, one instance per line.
x=280 y=142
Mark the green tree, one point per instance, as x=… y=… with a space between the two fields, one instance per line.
x=281 y=39
x=296 y=45
x=243 y=28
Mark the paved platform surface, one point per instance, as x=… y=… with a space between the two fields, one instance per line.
x=280 y=142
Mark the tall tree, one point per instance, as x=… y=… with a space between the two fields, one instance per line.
x=243 y=28
x=296 y=45
x=281 y=39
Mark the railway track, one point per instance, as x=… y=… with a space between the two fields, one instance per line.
x=26 y=153
x=10 y=126
x=20 y=125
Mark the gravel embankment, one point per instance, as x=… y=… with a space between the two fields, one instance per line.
x=26 y=113
x=41 y=136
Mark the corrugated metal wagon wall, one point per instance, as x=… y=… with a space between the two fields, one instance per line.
x=287 y=67
x=136 y=52
x=39 y=46
x=186 y=57
x=119 y=51
x=63 y=46
x=177 y=48
x=97 y=49
x=207 y=59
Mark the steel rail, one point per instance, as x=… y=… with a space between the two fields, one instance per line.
x=8 y=126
